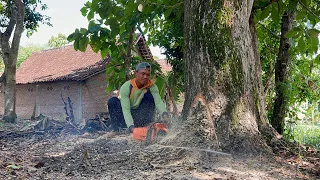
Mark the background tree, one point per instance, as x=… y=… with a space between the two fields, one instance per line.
x=16 y=15
x=26 y=51
x=290 y=37
x=57 y=41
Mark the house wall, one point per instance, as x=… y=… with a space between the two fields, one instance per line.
x=47 y=98
x=94 y=96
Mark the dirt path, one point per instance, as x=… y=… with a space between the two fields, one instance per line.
x=99 y=157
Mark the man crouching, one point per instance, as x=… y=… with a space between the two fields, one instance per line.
x=138 y=99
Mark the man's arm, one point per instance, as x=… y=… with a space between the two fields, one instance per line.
x=161 y=107
x=125 y=104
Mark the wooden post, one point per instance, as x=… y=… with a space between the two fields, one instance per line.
x=80 y=102
x=37 y=100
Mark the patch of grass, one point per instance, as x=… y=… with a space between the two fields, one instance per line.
x=307 y=135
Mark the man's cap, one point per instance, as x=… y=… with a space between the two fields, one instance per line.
x=143 y=65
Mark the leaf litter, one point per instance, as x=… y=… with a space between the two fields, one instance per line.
x=104 y=156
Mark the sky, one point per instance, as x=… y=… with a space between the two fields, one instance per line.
x=65 y=18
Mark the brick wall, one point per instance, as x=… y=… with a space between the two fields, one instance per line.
x=94 y=96
x=48 y=100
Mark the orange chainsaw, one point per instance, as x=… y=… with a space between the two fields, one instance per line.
x=149 y=133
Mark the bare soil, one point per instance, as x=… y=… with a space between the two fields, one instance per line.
x=105 y=156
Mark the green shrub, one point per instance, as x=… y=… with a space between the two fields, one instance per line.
x=307 y=135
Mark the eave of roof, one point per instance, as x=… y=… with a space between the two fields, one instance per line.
x=59 y=64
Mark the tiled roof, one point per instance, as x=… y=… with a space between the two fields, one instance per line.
x=143 y=48
x=60 y=64
x=67 y=64
x=164 y=65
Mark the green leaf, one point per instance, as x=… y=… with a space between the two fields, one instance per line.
x=293 y=4
x=305 y=2
x=178 y=15
x=83 y=43
x=275 y=13
x=265 y=13
x=76 y=45
x=90 y=15
x=109 y=88
x=317 y=60
x=130 y=7
x=95 y=47
x=70 y=37
x=124 y=34
x=160 y=82
x=117 y=69
x=300 y=14
x=109 y=70
x=122 y=74
x=84 y=11
x=115 y=31
x=112 y=23
x=93 y=27
x=147 y=9
x=263 y=3
x=292 y=33
x=166 y=2
x=104 y=52
x=167 y=12
x=83 y=30
x=314 y=33
x=314 y=44
x=301 y=44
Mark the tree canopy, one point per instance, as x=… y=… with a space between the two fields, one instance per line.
x=57 y=41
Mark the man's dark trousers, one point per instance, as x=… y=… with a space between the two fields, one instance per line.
x=142 y=116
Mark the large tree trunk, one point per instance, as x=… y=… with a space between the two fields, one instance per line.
x=281 y=74
x=10 y=54
x=223 y=76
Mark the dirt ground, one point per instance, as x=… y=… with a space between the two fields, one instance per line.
x=101 y=156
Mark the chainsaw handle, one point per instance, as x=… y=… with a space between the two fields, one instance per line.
x=150 y=130
x=149 y=133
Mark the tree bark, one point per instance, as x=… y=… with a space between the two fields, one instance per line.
x=281 y=74
x=223 y=75
x=10 y=54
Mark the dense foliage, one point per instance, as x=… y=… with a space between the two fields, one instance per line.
x=112 y=22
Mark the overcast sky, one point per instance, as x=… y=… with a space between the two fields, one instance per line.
x=65 y=18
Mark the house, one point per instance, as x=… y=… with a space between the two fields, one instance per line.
x=48 y=76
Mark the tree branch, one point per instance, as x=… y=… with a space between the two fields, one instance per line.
x=19 y=27
x=268 y=83
x=309 y=10
x=13 y=19
x=5 y=36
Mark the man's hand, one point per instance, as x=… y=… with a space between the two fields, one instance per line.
x=166 y=118
x=131 y=129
